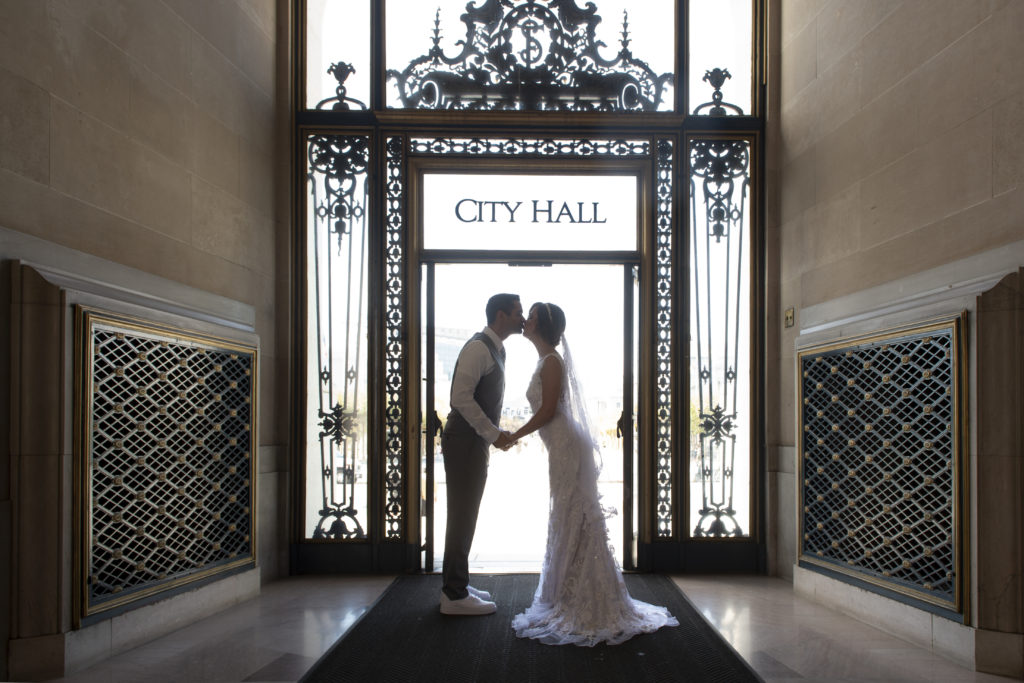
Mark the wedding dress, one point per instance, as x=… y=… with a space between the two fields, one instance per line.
x=581 y=598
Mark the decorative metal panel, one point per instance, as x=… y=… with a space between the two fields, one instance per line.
x=880 y=460
x=394 y=354
x=663 y=329
x=338 y=238
x=166 y=458
x=720 y=331
x=664 y=161
x=542 y=147
x=532 y=55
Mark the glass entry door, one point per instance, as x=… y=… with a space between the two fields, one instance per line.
x=600 y=303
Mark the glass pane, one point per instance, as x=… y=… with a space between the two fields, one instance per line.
x=337 y=54
x=720 y=37
x=541 y=212
x=530 y=55
x=512 y=528
x=336 y=371
x=720 y=278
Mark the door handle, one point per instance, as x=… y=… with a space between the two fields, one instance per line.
x=624 y=424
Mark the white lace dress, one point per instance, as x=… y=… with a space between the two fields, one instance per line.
x=581 y=598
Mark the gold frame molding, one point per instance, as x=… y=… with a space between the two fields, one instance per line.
x=87 y=321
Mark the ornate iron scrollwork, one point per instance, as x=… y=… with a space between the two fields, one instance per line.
x=341 y=101
x=663 y=380
x=394 y=352
x=716 y=107
x=337 y=170
x=530 y=55
x=717 y=273
x=542 y=147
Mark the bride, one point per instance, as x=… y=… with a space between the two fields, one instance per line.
x=581 y=598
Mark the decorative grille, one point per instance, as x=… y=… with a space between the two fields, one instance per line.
x=719 y=314
x=665 y=169
x=663 y=370
x=531 y=55
x=545 y=147
x=338 y=236
x=395 y=335
x=881 y=468
x=167 y=464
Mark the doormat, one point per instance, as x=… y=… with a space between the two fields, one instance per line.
x=404 y=637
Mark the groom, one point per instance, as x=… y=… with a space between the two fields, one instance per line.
x=478 y=387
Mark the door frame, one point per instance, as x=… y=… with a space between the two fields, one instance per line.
x=421 y=430
x=432 y=423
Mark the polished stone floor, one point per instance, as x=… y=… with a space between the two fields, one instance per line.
x=279 y=635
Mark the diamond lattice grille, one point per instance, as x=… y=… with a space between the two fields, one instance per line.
x=169 y=460
x=880 y=465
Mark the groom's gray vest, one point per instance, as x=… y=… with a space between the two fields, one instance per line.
x=489 y=392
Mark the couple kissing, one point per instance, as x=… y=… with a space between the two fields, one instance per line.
x=581 y=598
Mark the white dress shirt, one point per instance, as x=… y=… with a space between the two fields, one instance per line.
x=474 y=362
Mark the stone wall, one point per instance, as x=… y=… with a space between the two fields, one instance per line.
x=155 y=135
x=896 y=192
x=896 y=149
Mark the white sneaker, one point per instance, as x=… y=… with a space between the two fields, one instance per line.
x=467 y=606
x=483 y=595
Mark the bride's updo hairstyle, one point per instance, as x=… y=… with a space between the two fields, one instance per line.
x=550 y=322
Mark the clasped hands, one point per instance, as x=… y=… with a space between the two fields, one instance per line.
x=504 y=441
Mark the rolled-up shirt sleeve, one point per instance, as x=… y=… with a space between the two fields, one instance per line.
x=474 y=362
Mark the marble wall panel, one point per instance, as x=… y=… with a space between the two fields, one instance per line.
x=225 y=226
x=232 y=30
x=911 y=35
x=799 y=62
x=839 y=159
x=264 y=13
x=832 y=230
x=1008 y=144
x=39 y=603
x=88 y=71
x=799 y=124
x=256 y=187
x=935 y=181
x=890 y=127
x=785 y=489
x=25 y=40
x=215 y=84
x=798 y=186
x=842 y=25
x=273 y=394
x=795 y=15
x=215 y=152
x=998 y=56
x=1000 y=653
x=980 y=228
x=837 y=93
x=108 y=169
x=150 y=33
x=24 y=127
x=272 y=549
x=160 y=114
x=999 y=474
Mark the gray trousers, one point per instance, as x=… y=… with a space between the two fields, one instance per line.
x=465 y=469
